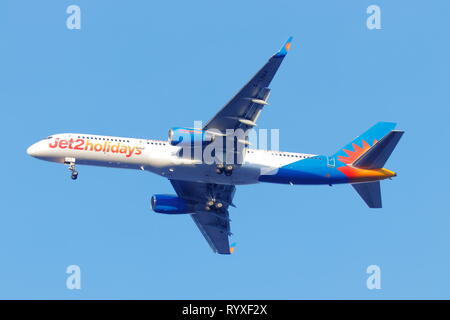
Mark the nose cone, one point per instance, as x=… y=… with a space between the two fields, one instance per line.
x=33 y=150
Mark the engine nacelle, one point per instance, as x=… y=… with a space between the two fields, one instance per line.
x=188 y=137
x=170 y=204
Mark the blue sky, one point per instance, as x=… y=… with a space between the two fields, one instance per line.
x=137 y=68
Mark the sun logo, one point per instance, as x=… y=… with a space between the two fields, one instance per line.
x=287 y=46
x=356 y=153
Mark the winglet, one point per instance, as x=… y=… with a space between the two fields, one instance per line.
x=232 y=247
x=284 y=50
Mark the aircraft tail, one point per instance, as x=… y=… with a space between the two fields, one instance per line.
x=353 y=150
x=377 y=155
x=373 y=148
x=370 y=151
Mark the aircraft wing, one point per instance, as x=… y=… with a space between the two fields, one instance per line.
x=214 y=225
x=243 y=110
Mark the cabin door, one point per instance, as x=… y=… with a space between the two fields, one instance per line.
x=331 y=162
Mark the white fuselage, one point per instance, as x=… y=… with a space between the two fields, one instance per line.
x=155 y=156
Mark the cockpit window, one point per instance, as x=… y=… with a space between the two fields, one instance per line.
x=49 y=137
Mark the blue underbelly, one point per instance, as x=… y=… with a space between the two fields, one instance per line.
x=308 y=171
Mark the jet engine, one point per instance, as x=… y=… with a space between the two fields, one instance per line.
x=170 y=204
x=189 y=137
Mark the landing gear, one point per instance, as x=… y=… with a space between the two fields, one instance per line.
x=227 y=169
x=213 y=205
x=219 y=168
x=72 y=169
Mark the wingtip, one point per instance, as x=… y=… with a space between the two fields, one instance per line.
x=285 y=48
x=232 y=247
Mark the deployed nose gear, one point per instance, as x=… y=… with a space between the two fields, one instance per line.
x=74 y=175
x=72 y=169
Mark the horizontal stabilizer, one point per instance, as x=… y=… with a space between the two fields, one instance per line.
x=370 y=192
x=377 y=155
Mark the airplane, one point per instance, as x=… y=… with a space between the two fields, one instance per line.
x=205 y=190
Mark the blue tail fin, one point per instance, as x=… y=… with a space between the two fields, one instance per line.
x=352 y=151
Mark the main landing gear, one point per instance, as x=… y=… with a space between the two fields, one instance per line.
x=72 y=169
x=226 y=169
x=213 y=205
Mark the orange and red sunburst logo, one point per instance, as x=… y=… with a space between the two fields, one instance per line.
x=358 y=151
